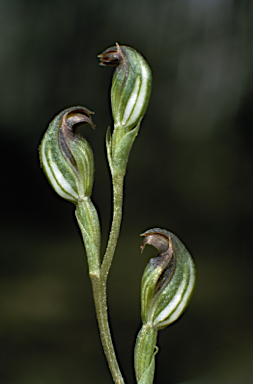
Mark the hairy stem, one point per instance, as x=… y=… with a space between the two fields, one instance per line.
x=99 y=293
x=118 y=182
x=99 y=283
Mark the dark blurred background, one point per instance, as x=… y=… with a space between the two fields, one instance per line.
x=190 y=171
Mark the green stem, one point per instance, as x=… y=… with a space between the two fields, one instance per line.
x=118 y=181
x=99 y=293
x=99 y=286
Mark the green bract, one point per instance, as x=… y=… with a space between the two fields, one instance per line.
x=168 y=280
x=144 y=354
x=66 y=157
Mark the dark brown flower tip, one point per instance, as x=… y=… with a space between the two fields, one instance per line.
x=162 y=241
x=71 y=120
x=159 y=238
x=111 y=56
x=76 y=116
x=167 y=258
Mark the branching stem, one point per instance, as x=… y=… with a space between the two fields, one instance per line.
x=99 y=282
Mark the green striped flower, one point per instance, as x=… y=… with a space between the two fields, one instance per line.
x=66 y=157
x=167 y=285
x=168 y=280
x=130 y=93
x=131 y=84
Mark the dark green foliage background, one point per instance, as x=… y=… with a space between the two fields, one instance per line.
x=190 y=171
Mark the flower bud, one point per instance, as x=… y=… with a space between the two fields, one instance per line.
x=66 y=157
x=131 y=84
x=168 y=280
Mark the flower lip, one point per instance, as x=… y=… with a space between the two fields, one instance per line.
x=111 y=56
x=161 y=241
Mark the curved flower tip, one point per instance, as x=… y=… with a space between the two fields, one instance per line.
x=157 y=237
x=72 y=118
x=111 y=56
x=66 y=157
